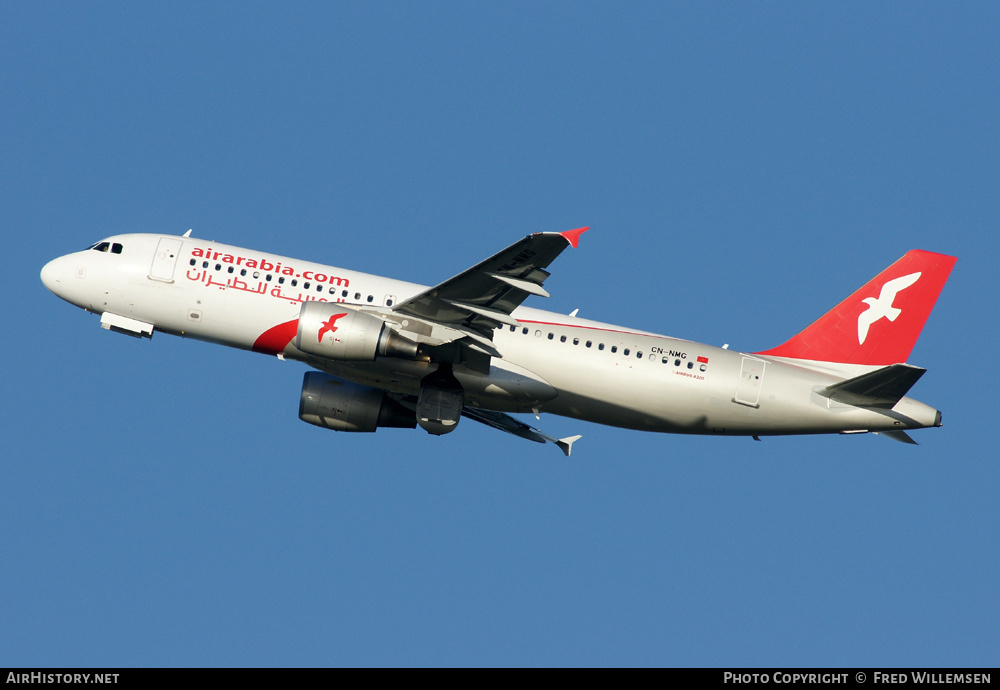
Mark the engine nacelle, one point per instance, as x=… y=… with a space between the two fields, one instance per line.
x=335 y=331
x=344 y=406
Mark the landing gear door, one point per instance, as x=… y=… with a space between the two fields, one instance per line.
x=749 y=384
x=165 y=259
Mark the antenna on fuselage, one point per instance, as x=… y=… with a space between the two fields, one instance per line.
x=188 y=233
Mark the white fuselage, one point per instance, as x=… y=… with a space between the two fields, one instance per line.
x=563 y=365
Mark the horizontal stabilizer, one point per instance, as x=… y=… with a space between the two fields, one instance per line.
x=900 y=436
x=881 y=388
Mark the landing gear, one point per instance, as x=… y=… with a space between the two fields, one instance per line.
x=439 y=407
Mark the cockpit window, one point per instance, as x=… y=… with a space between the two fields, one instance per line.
x=114 y=248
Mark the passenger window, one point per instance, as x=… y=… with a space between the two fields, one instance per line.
x=370 y=298
x=690 y=365
x=193 y=262
x=600 y=346
x=281 y=280
x=576 y=341
x=295 y=283
x=562 y=339
x=626 y=351
x=243 y=272
x=551 y=336
x=204 y=264
x=524 y=331
x=305 y=285
x=589 y=343
x=231 y=269
x=614 y=348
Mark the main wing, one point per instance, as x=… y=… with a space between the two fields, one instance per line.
x=468 y=307
x=482 y=298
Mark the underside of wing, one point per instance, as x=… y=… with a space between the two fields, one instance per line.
x=504 y=422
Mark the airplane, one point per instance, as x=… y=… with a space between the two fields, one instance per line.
x=389 y=353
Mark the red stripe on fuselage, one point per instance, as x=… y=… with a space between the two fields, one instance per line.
x=274 y=340
x=594 y=328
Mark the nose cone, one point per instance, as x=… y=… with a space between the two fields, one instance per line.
x=52 y=276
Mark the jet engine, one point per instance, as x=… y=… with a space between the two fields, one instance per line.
x=335 y=331
x=343 y=406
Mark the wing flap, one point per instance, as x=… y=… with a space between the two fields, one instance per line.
x=497 y=317
x=526 y=285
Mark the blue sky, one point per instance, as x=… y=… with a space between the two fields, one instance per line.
x=743 y=166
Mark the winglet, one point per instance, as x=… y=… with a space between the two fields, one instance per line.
x=566 y=444
x=573 y=237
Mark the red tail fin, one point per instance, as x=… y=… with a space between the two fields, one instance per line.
x=880 y=323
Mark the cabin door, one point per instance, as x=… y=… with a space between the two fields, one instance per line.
x=751 y=378
x=165 y=259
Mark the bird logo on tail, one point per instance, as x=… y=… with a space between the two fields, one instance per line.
x=882 y=306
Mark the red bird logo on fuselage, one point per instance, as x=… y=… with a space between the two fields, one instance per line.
x=329 y=326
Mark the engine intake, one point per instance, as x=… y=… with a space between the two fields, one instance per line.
x=338 y=332
x=343 y=406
